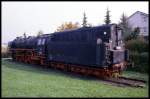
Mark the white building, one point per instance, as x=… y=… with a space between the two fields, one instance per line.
x=139 y=19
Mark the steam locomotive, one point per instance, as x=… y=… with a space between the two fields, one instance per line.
x=97 y=51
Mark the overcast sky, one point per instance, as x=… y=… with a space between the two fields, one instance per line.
x=30 y=17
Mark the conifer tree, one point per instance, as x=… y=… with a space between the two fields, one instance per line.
x=107 y=19
x=125 y=26
x=84 y=20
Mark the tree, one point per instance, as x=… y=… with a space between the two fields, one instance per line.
x=40 y=33
x=107 y=19
x=24 y=35
x=67 y=26
x=125 y=27
x=84 y=24
x=135 y=33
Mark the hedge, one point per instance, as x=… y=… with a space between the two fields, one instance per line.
x=139 y=45
x=140 y=60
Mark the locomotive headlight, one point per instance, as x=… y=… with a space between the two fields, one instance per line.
x=118 y=47
x=105 y=33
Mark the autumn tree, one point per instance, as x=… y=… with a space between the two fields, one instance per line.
x=67 y=26
x=107 y=19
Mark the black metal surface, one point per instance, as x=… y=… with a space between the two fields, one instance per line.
x=80 y=46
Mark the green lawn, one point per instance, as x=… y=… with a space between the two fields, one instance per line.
x=22 y=80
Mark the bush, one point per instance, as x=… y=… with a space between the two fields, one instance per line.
x=137 y=45
x=140 y=61
x=138 y=54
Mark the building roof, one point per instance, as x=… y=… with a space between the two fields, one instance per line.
x=145 y=14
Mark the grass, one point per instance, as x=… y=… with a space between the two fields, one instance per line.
x=23 y=80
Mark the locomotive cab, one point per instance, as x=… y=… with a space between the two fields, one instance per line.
x=117 y=53
x=42 y=45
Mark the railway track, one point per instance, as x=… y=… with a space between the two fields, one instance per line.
x=127 y=81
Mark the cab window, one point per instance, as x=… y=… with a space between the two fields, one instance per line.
x=43 y=41
x=39 y=42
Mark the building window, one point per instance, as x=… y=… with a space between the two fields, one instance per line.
x=144 y=29
x=144 y=19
